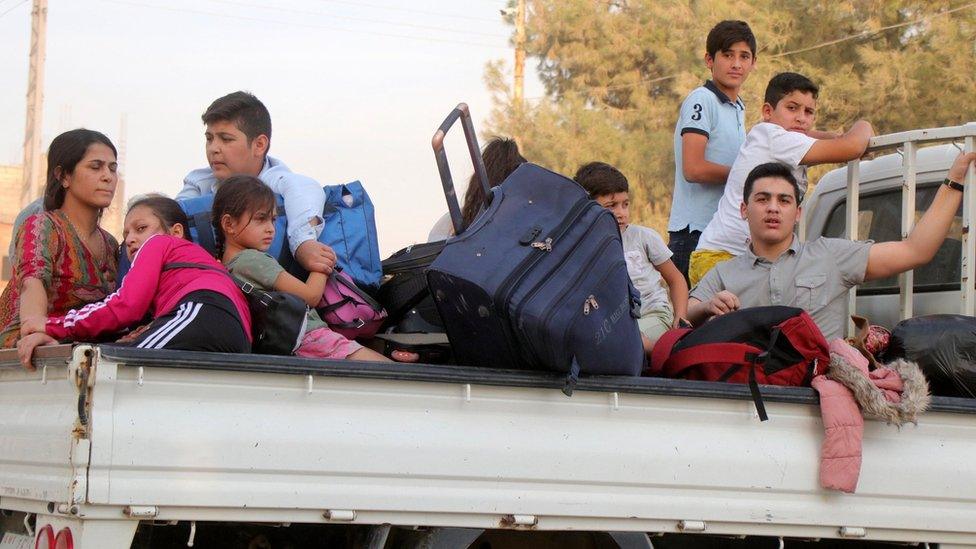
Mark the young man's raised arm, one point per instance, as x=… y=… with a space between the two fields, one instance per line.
x=847 y=147
x=693 y=164
x=890 y=258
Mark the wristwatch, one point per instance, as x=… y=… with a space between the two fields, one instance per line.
x=953 y=185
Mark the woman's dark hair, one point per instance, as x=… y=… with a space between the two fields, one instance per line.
x=167 y=210
x=501 y=157
x=65 y=152
x=236 y=196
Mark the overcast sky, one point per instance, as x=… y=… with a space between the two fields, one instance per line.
x=355 y=89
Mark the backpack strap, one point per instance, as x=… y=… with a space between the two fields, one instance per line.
x=756 y=395
x=737 y=355
x=245 y=287
x=189 y=265
x=572 y=377
x=205 y=234
x=662 y=349
x=729 y=353
x=332 y=307
x=352 y=287
x=760 y=362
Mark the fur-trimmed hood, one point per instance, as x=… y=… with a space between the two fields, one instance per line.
x=870 y=395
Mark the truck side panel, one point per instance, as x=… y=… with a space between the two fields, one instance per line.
x=37 y=417
x=394 y=448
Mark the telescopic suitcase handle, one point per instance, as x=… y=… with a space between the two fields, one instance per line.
x=462 y=112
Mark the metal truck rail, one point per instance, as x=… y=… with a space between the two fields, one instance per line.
x=907 y=144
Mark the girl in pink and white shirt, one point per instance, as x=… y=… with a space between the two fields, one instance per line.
x=192 y=308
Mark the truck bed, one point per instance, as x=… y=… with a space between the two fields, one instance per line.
x=176 y=435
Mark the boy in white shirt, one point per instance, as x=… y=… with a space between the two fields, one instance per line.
x=785 y=135
x=648 y=258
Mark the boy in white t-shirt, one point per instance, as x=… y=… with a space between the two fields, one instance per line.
x=785 y=135
x=648 y=257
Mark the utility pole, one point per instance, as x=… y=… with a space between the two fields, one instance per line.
x=114 y=215
x=35 y=105
x=519 y=89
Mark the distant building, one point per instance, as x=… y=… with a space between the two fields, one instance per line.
x=11 y=181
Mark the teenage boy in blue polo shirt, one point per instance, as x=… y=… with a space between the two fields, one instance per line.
x=710 y=130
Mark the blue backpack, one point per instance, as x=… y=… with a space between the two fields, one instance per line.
x=349 y=228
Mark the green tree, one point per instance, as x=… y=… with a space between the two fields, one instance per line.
x=615 y=72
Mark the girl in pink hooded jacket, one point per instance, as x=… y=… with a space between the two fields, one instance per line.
x=196 y=309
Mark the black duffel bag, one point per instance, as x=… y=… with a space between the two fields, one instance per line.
x=413 y=324
x=279 y=320
x=944 y=346
x=404 y=292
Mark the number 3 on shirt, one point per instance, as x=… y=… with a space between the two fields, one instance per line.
x=697 y=108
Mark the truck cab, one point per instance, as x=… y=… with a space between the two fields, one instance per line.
x=936 y=285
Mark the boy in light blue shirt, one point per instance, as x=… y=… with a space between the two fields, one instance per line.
x=707 y=137
x=238 y=137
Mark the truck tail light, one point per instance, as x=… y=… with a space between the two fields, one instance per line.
x=45 y=538
x=64 y=540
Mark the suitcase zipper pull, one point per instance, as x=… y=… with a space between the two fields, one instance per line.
x=590 y=304
x=545 y=245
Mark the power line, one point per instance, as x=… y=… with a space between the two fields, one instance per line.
x=409 y=10
x=866 y=34
x=12 y=8
x=360 y=19
x=296 y=24
x=863 y=34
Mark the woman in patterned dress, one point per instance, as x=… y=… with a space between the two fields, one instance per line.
x=63 y=259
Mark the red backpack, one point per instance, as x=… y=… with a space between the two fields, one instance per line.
x=760 y=345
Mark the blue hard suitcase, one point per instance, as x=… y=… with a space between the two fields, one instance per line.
x=538 y=281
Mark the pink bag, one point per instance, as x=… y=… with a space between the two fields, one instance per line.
x=348 y=310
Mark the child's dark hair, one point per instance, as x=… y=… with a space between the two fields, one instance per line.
x=600 y=178
x=770 y=169
x=501 y=157
x=239 y=195
x=725 y=34
x=167 y=210
x=786 y=83
x=245 y=111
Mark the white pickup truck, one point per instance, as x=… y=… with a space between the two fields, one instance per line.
x=110 y=447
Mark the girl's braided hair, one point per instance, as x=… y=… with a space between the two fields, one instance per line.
x=236 y=196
